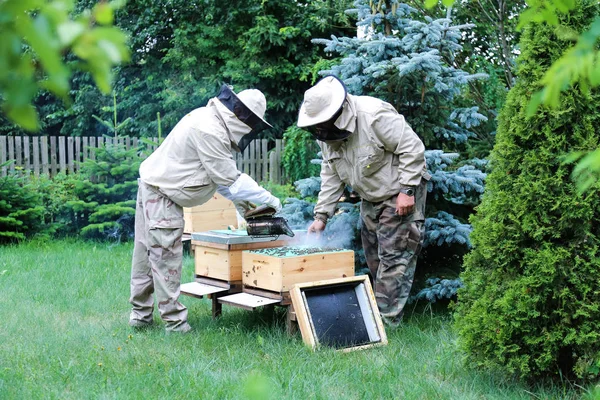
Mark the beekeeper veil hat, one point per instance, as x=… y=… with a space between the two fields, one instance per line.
x=249 y=108
x=322 y=101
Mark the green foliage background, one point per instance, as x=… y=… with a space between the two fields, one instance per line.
x=179 y=62
x=300 y=148
x=531 y=302
x=20 y=208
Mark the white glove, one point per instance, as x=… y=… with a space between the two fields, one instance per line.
x=242 y=206
x=224 y=191
x=246 y=188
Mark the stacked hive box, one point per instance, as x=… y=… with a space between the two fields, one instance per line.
x=217 y=213
x=222 y=259
x=218 y=262
x=276 y=270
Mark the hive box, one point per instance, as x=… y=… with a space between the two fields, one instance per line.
x=216 y=213
x=278 y=269
x=218 y=254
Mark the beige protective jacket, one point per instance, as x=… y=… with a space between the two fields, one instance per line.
x=196 y=157
x=382 y=154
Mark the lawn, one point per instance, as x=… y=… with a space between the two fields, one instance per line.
x=64 y=335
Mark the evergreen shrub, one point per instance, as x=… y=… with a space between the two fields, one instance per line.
x=105 y=205
x=55 y=193
x=531 y=301
x=300 y=148
x=20 y=208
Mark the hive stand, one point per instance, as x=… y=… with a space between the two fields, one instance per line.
x=268 y=277
x=218 y=262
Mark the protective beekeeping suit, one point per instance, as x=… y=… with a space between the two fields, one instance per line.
x=193 y=162
x=367 y=145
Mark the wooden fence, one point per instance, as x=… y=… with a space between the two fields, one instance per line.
x=51 y=155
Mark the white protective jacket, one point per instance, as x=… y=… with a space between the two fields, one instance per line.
x=196 y=158
x=381 y=155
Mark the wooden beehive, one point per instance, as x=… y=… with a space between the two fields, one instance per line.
x=225 y=265
x=278 y=269
x=223 y=261
x=217 y=213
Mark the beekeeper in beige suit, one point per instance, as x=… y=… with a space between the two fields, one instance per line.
x=193 y=162
x=367 y=145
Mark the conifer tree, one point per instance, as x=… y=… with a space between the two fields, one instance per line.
x=20 y=209
x=106 y=205
x=409 y=63
x=531 y=301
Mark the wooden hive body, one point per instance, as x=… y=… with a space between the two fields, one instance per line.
x=278 y=270
x=224 y=261
x=216 y=213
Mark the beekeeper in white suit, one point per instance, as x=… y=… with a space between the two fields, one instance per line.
x=193 y=162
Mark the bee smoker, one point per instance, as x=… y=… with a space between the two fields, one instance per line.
x=261 y=222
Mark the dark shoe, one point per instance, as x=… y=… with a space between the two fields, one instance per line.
x=181 y=328
x=139 y=324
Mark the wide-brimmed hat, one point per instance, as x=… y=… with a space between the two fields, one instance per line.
x=322 y=101
x=255 y=100
x=249 y=107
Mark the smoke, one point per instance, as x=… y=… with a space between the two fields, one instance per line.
x=341 y=231
x=124 y=229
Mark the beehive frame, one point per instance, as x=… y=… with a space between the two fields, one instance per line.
x=370 y=325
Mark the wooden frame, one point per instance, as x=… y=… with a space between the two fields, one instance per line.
x=372 y=325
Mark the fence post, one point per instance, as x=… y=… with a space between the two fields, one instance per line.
x=19 y=151
x=275 y=163
x=62 y=153
x=11 y=152
x=36 y=155
x=53 y=155
x=44 y=149
x=3 y=154
x=77 y=153
x=92 y=148
x=26 y=154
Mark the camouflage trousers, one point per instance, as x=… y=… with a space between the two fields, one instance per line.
x=392 y=244
x=157 y=260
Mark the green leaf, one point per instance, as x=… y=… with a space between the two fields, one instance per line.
x=122 y=124
x=448 y=3
x=69 y=31
x=103 y=78
x=109 y=125
x=572 y=157
x=25 y=116
x=103 y=13
x=111 y=50
x=534 y=103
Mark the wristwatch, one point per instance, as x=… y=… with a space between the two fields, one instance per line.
x=408 y=191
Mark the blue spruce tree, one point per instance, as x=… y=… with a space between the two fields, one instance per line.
x=409 y=63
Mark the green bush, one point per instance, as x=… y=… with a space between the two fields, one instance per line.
x=300 y=148
x=55 y=194
x=105 y=204
x=531 y=302
x=20 y=209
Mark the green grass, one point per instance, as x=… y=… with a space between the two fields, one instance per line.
x=64 y=335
